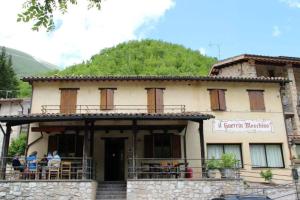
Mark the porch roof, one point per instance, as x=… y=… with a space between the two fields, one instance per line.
x=31 y=118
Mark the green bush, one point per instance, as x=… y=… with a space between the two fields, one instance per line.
x=228 y=161
x=267 y=175
x=18 y=145
x=213 y=164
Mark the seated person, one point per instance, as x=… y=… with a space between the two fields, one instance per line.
x=44 y=161
x=17 y=164
x=55 y=161
x=32 y=161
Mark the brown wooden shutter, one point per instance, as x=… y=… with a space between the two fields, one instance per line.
x=52 y=143
x=214 y=99
x=159 y=101
x=176 y=146
x=109 y=99
x=222 y=102
x=148 y=146
x=151 y=100
x=257 y=102
x=68 y=101
x=103 y=99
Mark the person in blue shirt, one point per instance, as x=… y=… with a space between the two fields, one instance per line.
x=32 y=161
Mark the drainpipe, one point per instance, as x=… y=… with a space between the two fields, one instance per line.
x=32 y=143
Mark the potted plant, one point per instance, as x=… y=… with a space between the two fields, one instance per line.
x=267 y=175
x=213 y=168
x=228 y=165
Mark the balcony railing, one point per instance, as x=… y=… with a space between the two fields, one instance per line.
x=178 y=168
x=47 y=109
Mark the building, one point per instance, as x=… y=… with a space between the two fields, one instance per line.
x=136 y=128
x=268 y=66
x=14 y=106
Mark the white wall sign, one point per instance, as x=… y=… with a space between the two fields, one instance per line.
x=243 y=125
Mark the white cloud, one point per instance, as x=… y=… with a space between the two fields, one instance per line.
x=81 y=32
x=292 y=3
x=276 y=32
x=202 y=51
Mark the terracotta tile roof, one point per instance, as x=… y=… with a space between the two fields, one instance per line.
x=283 y=60
x=154 y=78
x=30 y=118
x=17 y=100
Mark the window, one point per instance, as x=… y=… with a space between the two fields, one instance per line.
x=68 y=100
x=162 y=146
x=67 y=145
x=217 y=99
x=217 y=150
x=155 y=100
x=298 y=150
x=107 y=99
x=266 y=155
x=256 y=98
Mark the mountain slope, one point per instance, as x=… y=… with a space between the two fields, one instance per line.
x=146 y=57
x=26 y=65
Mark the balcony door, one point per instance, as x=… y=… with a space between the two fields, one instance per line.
x=68 y=100
x=155 y=100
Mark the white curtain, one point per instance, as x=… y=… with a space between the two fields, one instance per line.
x=258 y=156
x=274 y=155
x=215 y=151
x=234 y=149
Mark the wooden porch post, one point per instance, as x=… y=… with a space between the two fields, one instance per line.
x=134 y=143
x=202 y=146
x=86 y=151
x=184 y=149
x=5 y=145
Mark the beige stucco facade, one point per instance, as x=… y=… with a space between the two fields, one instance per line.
x=194 y=95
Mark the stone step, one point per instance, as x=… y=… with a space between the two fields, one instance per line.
x=111 y=192
x=111 y=196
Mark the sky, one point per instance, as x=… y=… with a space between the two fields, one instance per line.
x=218 y=28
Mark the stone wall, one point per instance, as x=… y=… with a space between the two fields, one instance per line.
x=59 y=190
x=182 y=189
x=242 y=69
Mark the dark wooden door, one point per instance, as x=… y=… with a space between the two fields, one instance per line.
x=114 y=159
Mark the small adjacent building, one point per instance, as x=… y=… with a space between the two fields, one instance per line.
x=14 y=106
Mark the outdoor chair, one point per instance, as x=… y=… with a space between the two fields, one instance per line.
x=164 y=169
x=65 y=169
x=54 y=169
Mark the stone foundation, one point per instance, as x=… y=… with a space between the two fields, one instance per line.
x=182 y=189
x=59 y=190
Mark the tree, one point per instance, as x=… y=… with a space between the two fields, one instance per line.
x=8 y=78
x=146 y=57
x=18 y=145
x=40 y=12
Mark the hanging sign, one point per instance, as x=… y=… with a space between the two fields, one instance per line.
x=243 y=125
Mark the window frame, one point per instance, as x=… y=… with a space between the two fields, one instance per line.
x=265 y=152
x=155 y=108
x=218 y=99
x=223 y=148
x=106 y=106
x=250 y=100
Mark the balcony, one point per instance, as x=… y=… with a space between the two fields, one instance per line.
x=53 y=109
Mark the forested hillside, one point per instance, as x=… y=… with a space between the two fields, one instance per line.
x=26 y=65
x=146 y=57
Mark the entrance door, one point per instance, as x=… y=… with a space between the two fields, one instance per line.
x=114 y=159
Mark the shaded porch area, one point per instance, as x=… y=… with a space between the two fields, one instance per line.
x=115 y=146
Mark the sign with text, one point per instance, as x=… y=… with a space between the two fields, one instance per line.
x=243 y=125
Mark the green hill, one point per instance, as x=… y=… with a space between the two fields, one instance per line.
x=26 y=65
x=146 y=57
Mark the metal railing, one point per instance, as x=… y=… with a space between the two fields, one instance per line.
x=177 y=168
x=111 y=109
x=40 y=169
